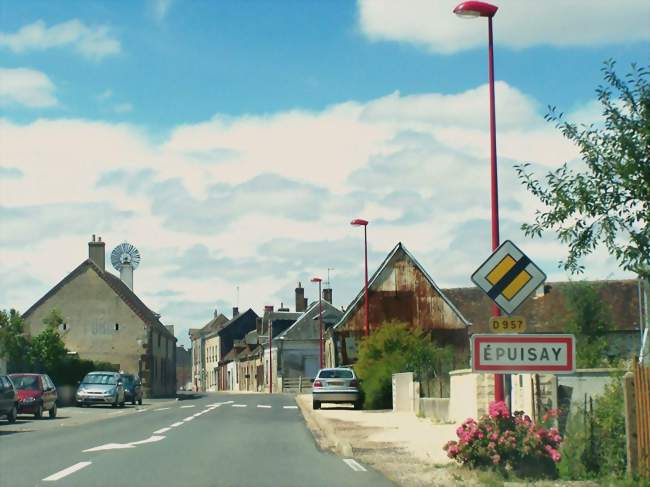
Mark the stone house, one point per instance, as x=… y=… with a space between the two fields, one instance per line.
x=399 y=290
x=104 y=320
x=199 y=351
x=183 y=367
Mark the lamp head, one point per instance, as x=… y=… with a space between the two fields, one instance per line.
x=475 y=9
x=359 y=222
x=316 y=279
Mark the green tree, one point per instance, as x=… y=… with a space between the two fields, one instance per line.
x=589 y=319
x=14 y=343
x=394 y=348
x=47 y=348
x=604 y=198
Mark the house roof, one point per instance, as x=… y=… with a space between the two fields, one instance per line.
x=301 y=329
x=546 y=313
x=373 y=281
x=118 y=287
x=230 y=323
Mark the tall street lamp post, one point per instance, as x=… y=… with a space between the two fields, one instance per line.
x=472 y=10
x=364 y=223
x=320 y=317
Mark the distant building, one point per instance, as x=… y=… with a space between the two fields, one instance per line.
x=104 y=320
x=200 y=353
x=183 y=367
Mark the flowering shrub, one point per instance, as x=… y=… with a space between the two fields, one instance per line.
x=507 y=442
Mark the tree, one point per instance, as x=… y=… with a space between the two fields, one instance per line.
x=14 y=343
x=605 y=197
x=588 y=318
x=394 y=348
x=47 y=348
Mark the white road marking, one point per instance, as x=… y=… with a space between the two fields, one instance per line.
x=116 y=412
x=354 y=465
x=239 y=405
x=67 y=471
x=290 y=407
x=151 y=439
x=188 y=406
x=109 y=446
x=161 y=409
x=190 y=418
x=264 y=406
x=176 y=424
x=197 y=414
x=140 y=410
x=161 y=430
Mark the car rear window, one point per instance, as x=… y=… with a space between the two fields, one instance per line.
x=26 y=382
x=107 y=379
x=336 y=374
x=128 y=379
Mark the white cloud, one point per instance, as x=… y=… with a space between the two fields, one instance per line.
x=265 y=201
x=92 y=42
x=517 y=24
x=161 y=8
x=26 y=87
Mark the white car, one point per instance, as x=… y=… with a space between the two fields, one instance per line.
x=336 y=385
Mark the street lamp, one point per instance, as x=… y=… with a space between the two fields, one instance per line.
x=482 y=9
x=320 y=317
x=364 y=223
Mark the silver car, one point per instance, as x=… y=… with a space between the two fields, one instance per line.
x=337 y=385
x=101 y=388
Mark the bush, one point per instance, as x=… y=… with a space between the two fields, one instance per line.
x=394 y=348
x=507 y=443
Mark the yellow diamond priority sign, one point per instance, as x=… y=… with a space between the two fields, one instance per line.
x=508 y=277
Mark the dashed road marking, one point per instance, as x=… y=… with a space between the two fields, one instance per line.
x=151 y=439
x=161 y=409
x=239 y=405
x=188 y=406
x=161 y=430
x=66 y=471
x=176 y=424
x=354 y=465
x=190 y=418
x=264 y=406
x=290 y=407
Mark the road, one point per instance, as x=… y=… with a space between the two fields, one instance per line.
x=217 y=440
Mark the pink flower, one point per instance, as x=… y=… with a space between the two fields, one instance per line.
x=498 y=409
x=496 y=458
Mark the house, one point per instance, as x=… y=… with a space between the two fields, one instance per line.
x=546 y=311
x=200 y=353
x=228 y=339
x=298 y=347
x=399 y=290
x=272 y=324
x=106 y=321
x=249 y=363
x=183 y=367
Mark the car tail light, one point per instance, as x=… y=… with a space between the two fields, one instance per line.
x=353 y=383
x=318 y=383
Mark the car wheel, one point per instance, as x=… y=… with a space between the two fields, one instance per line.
x=114 y=405
x=52 y=411
x=122 y=404
x=316 y=404
x=358 y=404
x=11 y=417
x=133 y=401
x=39 y=412
x=140 y=402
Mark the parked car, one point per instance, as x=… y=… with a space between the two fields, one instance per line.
x=36 y=394
x=337 y=385
x=132 y=388
x=101 y=388
x=8 y=399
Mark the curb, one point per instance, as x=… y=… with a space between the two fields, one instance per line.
x=324 y=433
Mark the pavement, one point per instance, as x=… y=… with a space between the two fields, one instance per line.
x=213 y=440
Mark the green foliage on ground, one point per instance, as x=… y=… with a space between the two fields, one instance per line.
x=44 y=353
x=594 y=445
x=603 y=198
x=394 y=348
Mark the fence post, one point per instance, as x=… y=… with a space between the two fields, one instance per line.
x=630 y=424
x=300 y=384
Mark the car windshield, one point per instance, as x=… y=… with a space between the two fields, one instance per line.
x=107 y=379
x=25 y=382
x=335 y=374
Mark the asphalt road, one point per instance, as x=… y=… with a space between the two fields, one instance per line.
x=216 y=440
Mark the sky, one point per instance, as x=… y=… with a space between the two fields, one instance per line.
x=233 y=142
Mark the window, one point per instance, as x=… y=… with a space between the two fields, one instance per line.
x=159 y=337
x=117 y=327
x=63 y=326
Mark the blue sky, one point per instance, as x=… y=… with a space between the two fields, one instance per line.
x=233 y=141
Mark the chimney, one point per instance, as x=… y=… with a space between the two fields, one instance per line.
x=126 y=275
x=301 y=302
x=97 y=252
x=216 y=312
x=282 y=308
x=235 y=311
x=269 y=308
x=327 y=294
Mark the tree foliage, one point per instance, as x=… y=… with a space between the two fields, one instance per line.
x=394 y=348
x=604 y=198
x=14 y=343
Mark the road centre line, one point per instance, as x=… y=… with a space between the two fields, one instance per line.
x=354 y=465
x=264 y=406
x=188 y=406
x=161 y=430
x=290 y=407
x=161 y=409
x=66 y=471
x=176 y=424
x=239 y=405
x=189 y=418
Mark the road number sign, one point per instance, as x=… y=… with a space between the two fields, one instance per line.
x=507 y=324
x=508 y=277
x=516 y=354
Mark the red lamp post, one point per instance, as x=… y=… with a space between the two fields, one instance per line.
x=320 y=317
x=364 y=224
x=482 y=9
